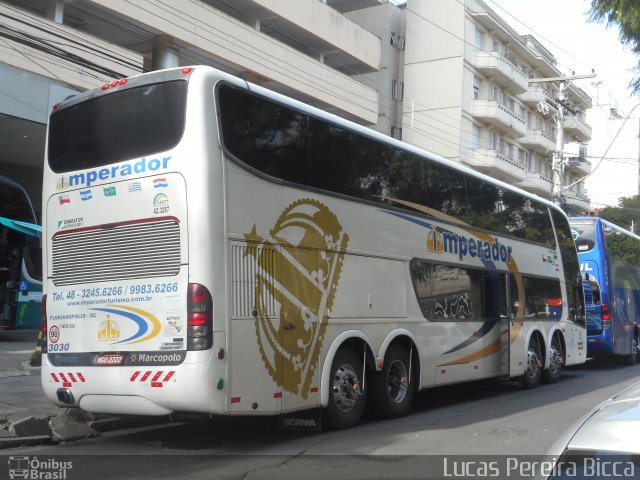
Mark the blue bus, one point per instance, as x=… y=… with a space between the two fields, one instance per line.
x=20 y=259
x=610 y=265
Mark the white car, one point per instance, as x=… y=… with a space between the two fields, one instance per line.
x=605 y=443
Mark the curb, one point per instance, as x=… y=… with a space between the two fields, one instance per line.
x=86 y=429
x=15 y=442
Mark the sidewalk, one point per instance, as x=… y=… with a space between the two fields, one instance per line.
x=27 y=417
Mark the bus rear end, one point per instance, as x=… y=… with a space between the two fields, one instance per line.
x=127 y=330
x=594 y=268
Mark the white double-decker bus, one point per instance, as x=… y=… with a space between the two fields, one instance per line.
x=212 y=246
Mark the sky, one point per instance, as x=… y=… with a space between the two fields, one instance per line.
x=562 y=27
x=579 y=46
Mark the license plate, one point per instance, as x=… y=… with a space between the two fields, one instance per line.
x=110 y=359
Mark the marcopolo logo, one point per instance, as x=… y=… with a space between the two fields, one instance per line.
x=452 y=243
x=85 y=179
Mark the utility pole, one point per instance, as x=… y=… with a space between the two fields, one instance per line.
x=557 y=165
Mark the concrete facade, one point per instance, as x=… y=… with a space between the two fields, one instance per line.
x=469 y=96
x=450 y=77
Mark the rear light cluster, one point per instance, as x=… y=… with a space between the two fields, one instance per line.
x=199 y=318
x=605 y=315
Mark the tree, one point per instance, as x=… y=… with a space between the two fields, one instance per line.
x=626 y=15
x=626 y=213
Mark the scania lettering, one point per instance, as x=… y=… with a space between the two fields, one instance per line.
x=243 y=253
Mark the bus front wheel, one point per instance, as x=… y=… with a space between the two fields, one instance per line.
x=347 y=397
x=393 y=387
x=533 y=372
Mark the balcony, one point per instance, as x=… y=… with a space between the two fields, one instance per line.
x=496 y=165
x=500 y=71
x=576 y=128
x=539 y=141
x=577 y=203
x=580 y=168
x=537 y=183
x=500 y=117
x=534 y=95
x=350 y=5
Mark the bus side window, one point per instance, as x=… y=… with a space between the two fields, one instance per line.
x=515 y=297
x=595 y=292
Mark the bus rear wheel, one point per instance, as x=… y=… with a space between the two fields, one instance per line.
x=393 y=387
x=556 y=361
x=347 y=398
x=533 y=372
x=632 y=358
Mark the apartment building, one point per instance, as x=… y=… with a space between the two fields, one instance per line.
x=50 y=49
x=450 y=77
x=471 y=95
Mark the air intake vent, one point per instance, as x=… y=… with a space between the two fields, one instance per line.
x=122 y=251
x=252 y=266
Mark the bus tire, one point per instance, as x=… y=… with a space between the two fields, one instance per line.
x=393 y=387
x=533 y=372
x=632 y=358
x=347 y=399
x=556 y=361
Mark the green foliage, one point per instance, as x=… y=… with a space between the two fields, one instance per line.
x=626 y=213
x=625 y=14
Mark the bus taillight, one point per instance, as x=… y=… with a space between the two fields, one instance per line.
x=199 y=318
x=606 y=317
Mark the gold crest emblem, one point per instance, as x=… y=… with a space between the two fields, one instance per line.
x=108 y=330
x=302 y=274
x=435 y=241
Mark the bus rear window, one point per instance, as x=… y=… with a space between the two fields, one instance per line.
x=117 y=126
x=584 y=236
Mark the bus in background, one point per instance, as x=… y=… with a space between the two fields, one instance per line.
x=610 y=264
x=212 y=246
x=20 y=259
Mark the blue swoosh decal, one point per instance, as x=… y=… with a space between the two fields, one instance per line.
x=484 y=329
x=142 y=324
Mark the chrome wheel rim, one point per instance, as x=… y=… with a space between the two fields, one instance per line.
x=555 y=360
x=397 y=381
x=346 y=388
x=533 y=363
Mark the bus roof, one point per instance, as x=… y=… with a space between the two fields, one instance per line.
x=186 y=72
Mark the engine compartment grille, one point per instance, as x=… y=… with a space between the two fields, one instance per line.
x=147 y=248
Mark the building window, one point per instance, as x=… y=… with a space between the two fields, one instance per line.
x=476 y=88
x=475 y=137
x=397 y=41
x=495 y=141
x=478 y=40
x=397 y=90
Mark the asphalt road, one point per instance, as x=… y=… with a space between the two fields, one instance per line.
x=486 y=418
x=16 y=347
